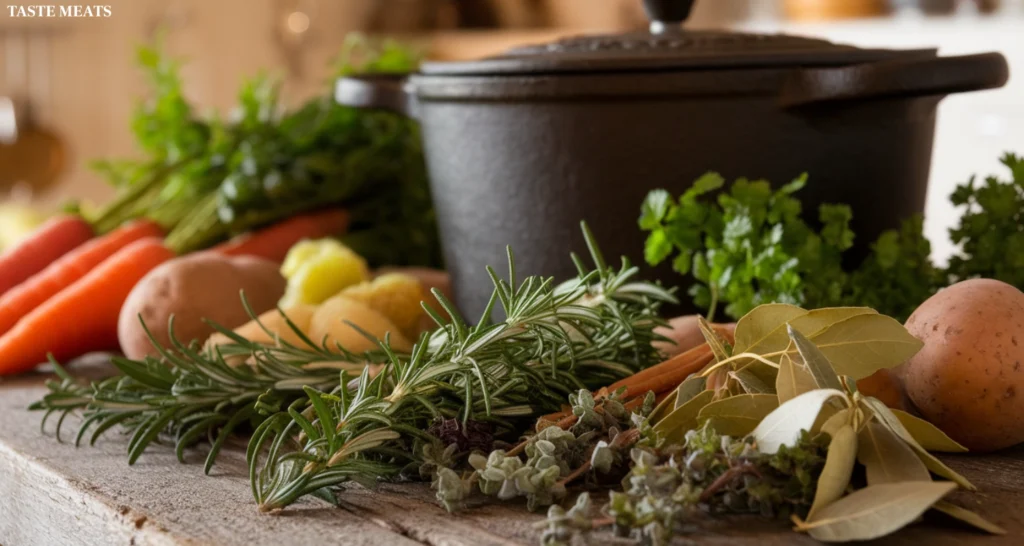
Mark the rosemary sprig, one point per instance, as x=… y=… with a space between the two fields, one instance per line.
x=583 y=333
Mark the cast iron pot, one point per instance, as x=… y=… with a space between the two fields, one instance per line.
x=521 y=147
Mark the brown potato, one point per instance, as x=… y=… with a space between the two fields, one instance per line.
x=331 y=320
x=969 y=378
x=192 y=288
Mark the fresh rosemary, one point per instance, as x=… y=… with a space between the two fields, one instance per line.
x=322 y=416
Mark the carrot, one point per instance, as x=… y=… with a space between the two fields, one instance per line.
x=50 y=241
x=83 y=317
x=71 y=267
x=274 y=242
x=666 y=375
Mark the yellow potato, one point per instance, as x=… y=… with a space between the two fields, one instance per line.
x=331 y=320
x=969 y=378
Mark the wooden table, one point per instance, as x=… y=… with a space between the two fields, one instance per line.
x=53 y=493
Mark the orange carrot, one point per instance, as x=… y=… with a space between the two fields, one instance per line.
x=83 y=317
x=667 y=374
x=50 y=241
x=71 y=267
x=274 y=242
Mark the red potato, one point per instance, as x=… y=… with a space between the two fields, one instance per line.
x=193 y=288
x=969 y=378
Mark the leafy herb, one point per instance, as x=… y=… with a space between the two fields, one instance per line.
x=207 y=179
x=750 y=245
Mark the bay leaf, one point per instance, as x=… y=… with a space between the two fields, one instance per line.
x=783 y=426
x=887 y=458
x=889 y=419
x=863 y=344
x=838 y=420
x=793 y=379
x=663 y=408
x=835 y=477
x=817 y=320
x=874 y=511
x=968 y=517
x=815 y=361
x=809 y=323
x=761 y=323
x=928 y=436
x=689 y=389
x=673 y=428
x=738 y=415
x=715 y=341
x=752 y=383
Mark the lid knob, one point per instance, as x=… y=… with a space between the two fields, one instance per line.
x=667 y=15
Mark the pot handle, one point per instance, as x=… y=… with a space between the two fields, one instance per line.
x=916 y=77
x=383 y=91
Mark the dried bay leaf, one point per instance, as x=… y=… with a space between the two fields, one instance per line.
x=690 y=387
x=835 y=477
x=783 y=426
x=773 y=336
x=760 y=324
x=683 y=419
x=715 y=341
x=887 y=458
x=738 y=415
x=838 y=420
x=928 y=436
x=793 y=379
x=874 y=511
x=815 y=361
x=752 y=382
x=863 y=344
x=889 y=419
x=968 y=517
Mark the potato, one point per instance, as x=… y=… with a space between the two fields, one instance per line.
x=273 y=320
x=331 y=321
x=191 y=288
x=969 y=378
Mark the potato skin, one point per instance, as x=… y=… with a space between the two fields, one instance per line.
x=969 y=378
x=191 y=288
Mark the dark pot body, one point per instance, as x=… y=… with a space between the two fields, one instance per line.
x=520 y=160
x=525 y=173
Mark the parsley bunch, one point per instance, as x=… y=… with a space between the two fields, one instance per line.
x=750 y=245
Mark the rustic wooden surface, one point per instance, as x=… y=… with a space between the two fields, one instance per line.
x=53 y=493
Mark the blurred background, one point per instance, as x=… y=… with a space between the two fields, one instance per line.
x=68 y=86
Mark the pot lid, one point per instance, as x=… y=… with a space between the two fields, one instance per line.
x=666 y=45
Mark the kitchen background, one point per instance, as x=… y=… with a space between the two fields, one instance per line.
x=68 y=86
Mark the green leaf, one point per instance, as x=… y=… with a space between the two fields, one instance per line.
x=708 y=182
x=816 y=363
x=887 y=418
x=810 y=324
x=673 y=428
x=654 y=209
x=968 y=517
x=927 y=435
x=689 y=389
x=755 y=330
x=782 y=427
x=887 y=458
x=861 y=345
x=657 y=247
x=738 y=415
x=793 y=379
x=874 y=511
x=835 y=477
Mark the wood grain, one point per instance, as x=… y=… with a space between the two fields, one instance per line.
x=56 y=494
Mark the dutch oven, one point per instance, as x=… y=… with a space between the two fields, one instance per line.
x=523 y=146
